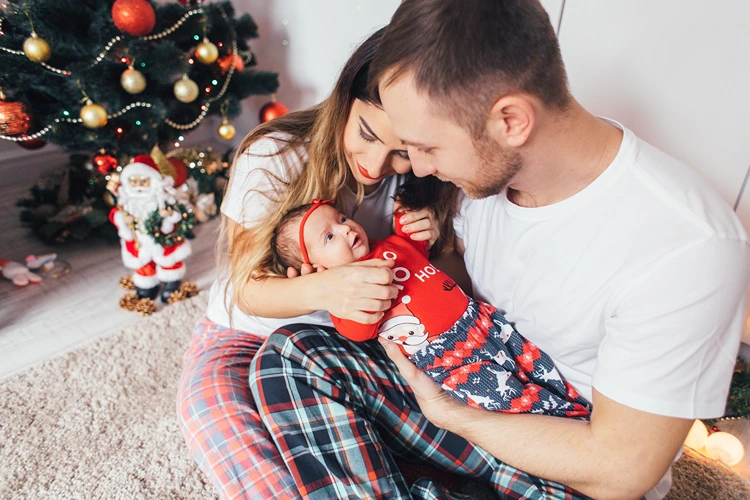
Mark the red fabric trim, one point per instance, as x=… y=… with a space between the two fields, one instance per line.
x=131 y=247
x=147 y=270
x=170 y=250
x=172 y=268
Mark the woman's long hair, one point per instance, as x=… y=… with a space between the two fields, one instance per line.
x=319 y=130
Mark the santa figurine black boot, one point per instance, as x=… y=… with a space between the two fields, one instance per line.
x=168 y=288
x=147 y=293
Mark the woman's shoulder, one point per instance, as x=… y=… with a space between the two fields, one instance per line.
x=275 y=153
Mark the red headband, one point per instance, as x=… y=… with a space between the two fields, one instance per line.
x=316 y=203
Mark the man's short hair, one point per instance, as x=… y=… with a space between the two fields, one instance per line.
x=466 y=54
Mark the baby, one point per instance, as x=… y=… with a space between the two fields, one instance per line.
x=466 y=346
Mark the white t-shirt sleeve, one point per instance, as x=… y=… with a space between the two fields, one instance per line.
x=460 y=218
x=671 y=343
x=257 y=179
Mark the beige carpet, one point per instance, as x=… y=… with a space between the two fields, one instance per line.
x=100 y=423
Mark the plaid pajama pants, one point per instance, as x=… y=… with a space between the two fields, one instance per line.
x=484 y=362
x=220 y=422
x=340 y=415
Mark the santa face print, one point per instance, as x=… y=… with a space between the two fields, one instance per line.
x=411 y=336
x=332 y=239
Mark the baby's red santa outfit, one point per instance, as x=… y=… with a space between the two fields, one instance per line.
x=428 y=303
x=468 y=347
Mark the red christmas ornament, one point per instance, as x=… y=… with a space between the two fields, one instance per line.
x=272 y=110
x=134 y=17
x=37 y=143
x=14 y=118
x=180 y=171
x=225 y=63
x=105 y=163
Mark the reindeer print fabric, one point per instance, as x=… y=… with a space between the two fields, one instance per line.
x=484 y=362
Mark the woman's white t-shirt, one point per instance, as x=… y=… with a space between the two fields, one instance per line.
x=246 y=204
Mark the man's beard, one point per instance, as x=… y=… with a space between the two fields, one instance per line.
x=497 y=167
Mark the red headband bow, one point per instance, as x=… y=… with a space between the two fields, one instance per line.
x=316 y=203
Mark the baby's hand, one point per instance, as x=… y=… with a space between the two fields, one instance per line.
x=420 y=225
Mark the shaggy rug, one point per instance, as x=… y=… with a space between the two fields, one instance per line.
x=100 y=423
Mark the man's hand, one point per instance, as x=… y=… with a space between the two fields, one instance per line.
x=436 y=404
x=587 y=456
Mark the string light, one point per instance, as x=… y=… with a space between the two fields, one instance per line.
x=115 y=40
x=174 y=27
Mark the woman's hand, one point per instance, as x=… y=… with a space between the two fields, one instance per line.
x=359 y=292
x=420 y=225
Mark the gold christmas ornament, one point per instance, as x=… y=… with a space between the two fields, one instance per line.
x=133 y=81
x=206 y=52
x=226 y=130
x=36 y=48
x=93 y=115
x=186 y=90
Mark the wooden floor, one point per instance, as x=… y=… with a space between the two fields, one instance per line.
x=38 y=322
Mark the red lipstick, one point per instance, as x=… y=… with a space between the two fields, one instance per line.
x=364 y=172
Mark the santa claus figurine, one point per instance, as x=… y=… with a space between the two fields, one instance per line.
x=152 y=226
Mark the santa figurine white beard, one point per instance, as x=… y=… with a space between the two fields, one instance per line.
x=142 y=191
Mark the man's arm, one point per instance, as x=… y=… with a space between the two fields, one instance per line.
x=620 y=453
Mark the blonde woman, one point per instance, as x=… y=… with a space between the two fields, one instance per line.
x=345 y=149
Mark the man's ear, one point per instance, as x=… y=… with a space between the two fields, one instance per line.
x=512 y=119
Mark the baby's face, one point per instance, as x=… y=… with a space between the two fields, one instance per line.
x=332 y=239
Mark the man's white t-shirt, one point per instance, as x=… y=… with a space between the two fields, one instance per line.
x=634 y=286
x=246 y=202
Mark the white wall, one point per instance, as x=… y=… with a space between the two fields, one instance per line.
x=320 y=35
x=676 y=72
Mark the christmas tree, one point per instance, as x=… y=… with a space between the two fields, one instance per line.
x=113 y=80
x=90 y=75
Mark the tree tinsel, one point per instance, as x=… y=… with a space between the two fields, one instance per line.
x=152 y=225
x=78 y=31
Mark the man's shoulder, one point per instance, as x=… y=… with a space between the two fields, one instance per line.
x=676 y=191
